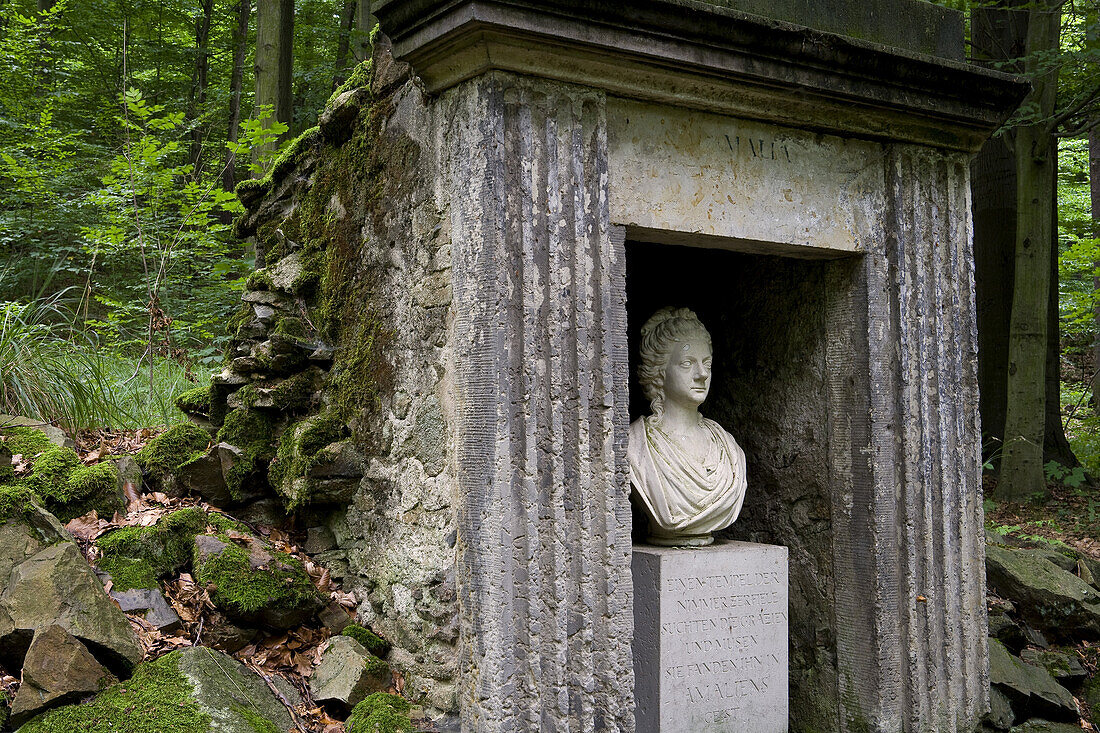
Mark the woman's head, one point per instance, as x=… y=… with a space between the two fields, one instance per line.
x=660 y=336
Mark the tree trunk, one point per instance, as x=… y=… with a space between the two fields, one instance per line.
x=274 y=59
x=343 y=42
x=236 y=82
x=1025 y=415
x=197 y=107
x=1055 y=445
x=1094 y=196
x=998 y=34
x=364 y=24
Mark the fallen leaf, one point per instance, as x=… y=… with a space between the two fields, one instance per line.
x=133 y=498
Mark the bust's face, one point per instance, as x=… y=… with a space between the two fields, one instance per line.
x=687 y=376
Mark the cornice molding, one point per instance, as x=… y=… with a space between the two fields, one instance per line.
x=698 y=55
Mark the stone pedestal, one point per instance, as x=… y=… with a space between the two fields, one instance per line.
x=710 y=638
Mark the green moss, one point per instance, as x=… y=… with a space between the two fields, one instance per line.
x=53 y=466
x=16 y=499
x=24 y=441
x=299 y=449
x=380 y=712
x=7 y=471
x=173 y=448
x=257 y=722
x=91 y=487
x=195 y=401
x=360 y=77
x=223 y=524
x=370 y=641
x=259 y=280
x=310 y=277
x=292 y=155
x=157 y=699
x=294 y=328
x=243 y=588
x=253 y=432
x=72 y=489
x=137 y=556
x=296 y=392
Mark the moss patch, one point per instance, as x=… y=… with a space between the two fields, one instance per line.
x=16 y=500
x=195 y=401
x=360 y=77
x=157 y=699
x=137 y=556
x=367 y=638
x=173 y=448
x=257 y=722
x=380 y=713
x=254 y=433
x=71 y=489
x=25 y=441
x=299 y=449
x=243 y=588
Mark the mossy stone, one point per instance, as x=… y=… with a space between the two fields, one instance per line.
x=137 y=556
x=368 y=639
x=182 y=692
x=71 y=489
x=173 y=448
x=380 y=712
x=25 y=441
x=195 y=401
x=256 y=584
x=253 y=432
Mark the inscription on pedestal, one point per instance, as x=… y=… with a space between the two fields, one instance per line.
x=710 y=649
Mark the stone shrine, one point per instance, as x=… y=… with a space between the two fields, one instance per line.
x=493 y=214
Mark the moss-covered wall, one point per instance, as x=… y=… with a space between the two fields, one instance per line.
x=338 y=347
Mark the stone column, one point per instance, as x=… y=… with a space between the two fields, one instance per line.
x=540 y=374
x=905 y=460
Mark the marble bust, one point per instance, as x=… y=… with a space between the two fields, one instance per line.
x=685 y=470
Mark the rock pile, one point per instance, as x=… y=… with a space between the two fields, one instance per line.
x=1042 y=605
x=77 y=636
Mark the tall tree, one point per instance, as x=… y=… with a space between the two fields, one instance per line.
x=343 y=43
x=274 y=59
x=1036 y=167
x=364 y=24
x=998 y=34
x=197 y=105
x=236 y=83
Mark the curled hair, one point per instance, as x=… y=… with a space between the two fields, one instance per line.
x=660 y=334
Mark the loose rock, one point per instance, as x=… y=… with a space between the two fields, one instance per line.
x=348 y=673
x=58 y=670
x=57 y=586
x=151 y=605
x=1031 y=690
x=1052 y=600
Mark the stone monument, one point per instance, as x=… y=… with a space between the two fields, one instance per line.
x=484 y=219
x=710 y=620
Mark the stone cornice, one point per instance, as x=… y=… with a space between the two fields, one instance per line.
x=698 y=55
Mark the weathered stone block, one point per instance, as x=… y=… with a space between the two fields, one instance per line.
x=58 y=670
x=710 y=638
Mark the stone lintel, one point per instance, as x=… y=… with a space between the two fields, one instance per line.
x=704 y=56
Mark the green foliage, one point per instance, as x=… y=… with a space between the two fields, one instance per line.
x=380 y=712
x=157 y=699
x=171 y=449
x=260 y=132
x=1071 y=477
